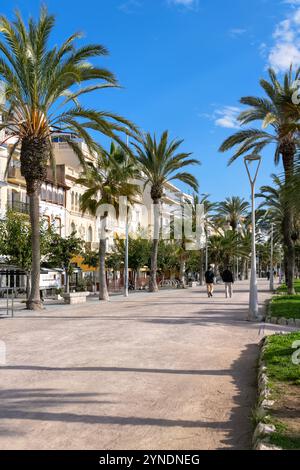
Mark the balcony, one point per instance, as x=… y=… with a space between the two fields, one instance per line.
x=14 y=176
x=59 y=179
x=18 y=206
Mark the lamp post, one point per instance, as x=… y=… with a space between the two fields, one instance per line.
x=126 y=244
x=272 y=260
x=253 y=296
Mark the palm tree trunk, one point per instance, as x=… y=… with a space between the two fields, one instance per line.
x=28 y=277
x=103 y=291
x=288 y=153
x=67 y=286
x=153 y=287
x=182 y=270
x=34 y=301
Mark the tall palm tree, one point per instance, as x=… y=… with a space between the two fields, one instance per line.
x=278 y=112
x=233 y=210
x=42 y=86
x=161 y=162
x=106 y=181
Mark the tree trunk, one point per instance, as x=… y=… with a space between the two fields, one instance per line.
x=244 y=269
x=182 y=270
x=288 y=152
x=34 y=301
x=103 y=291
x=28 y=287
x=67 y=286
x=95 y=282
x=153 y=287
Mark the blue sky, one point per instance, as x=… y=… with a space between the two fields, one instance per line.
x=184 y=64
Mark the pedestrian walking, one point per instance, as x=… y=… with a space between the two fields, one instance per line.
x=227 y=277
x=209 y=279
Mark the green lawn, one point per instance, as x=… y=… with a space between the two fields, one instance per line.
x=285 y=382
x=282 y=289
x=287 y=306
x=278 y=358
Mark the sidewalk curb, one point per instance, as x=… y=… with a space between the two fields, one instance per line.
x=262 y=432
x=294 y=322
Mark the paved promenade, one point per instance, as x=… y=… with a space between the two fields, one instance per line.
x=173 y=370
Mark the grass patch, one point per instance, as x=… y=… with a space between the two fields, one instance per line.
x=278 y=358
x=285 y=379
x=285 y=440
x=283 y=289
x=287 y=306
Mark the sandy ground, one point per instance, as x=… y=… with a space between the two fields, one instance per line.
x=173 y=370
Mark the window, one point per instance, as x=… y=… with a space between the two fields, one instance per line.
x=61 y=198
x=76 y=202
x=43 y=192
x=72 y=201
x=55 y=195
x=49 y=192
x=90 y=235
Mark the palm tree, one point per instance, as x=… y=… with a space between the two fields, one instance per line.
x=278 y=112
x=160 y=163
x=106 y=181
x=223 y=248
x=233 y=211
x=208 y=221
x=276 y=201
x=41 y=89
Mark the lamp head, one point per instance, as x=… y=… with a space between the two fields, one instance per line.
x=248 y=160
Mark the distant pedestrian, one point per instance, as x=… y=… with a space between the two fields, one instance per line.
x=209 y=279
x=227 y=277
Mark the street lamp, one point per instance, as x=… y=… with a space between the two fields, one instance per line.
x=126 y=244
x=253 y=297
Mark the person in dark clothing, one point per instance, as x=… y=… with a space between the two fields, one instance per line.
x=209 y=279
x=227 y=277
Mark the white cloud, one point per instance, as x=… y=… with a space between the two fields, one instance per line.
x=225 y=116
x=130 y=6
x=184 y=3
x=236 y=32
x=282 y=55
x=286 y=47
